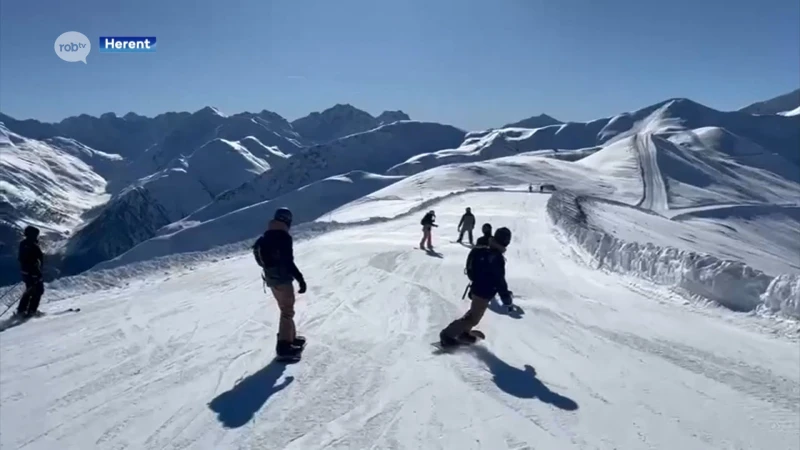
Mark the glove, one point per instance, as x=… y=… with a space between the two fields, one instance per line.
x=303 y=287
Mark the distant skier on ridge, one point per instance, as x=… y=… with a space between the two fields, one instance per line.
x=427 y=223
x=274 y=253
x=31 y=260
x=486 y=270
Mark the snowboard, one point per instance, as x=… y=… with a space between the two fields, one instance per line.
x=294 y=358
x=15 y=320
x=476 y=333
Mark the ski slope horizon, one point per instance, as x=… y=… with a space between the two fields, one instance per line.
x=600 y=360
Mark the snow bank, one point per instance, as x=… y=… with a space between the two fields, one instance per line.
x=732 y=284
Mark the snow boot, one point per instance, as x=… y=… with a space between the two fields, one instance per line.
x=467 y=338
x=447 y=341
x=299 y=341
x=286 y=349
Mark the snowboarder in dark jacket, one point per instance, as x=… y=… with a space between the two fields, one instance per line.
x=486 y=269
x=427 y=223
x=275 y=254
x=31 y=261
x=486 y=229
x=467 y=224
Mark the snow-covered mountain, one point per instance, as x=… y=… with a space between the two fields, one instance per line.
x=372 y=151
x=139 y=211
x=776 y=105
x=540 y=121
x=773 y=135
x=342 y=120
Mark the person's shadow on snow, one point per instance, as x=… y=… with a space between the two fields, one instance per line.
x=237 y=406
x=521 y=383
x=434 y=253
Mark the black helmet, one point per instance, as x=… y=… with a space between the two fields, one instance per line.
x=503 y=236
x=284 y=215
x=487 y=229
x=31 y=232
x=469 y=209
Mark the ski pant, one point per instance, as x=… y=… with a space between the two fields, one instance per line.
x=284 y=295
x=470 y=319
x=34 y=289
x=461 y=235
x=426 y=237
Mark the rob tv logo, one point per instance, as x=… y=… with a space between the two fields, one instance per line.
x=73 y=46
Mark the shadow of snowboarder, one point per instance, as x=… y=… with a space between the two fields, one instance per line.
x=521 y=383
x=237 y=406
x=433 y=253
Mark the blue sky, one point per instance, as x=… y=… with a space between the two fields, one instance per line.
x=473 y=64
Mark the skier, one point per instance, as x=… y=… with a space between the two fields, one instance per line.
x=427 y=223
x=467 y=223
x=486 y=229
x=274 y=253
x=530 y=188
x=31 y=261
x=486 y=271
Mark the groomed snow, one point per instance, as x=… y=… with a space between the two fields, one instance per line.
x=596 y=361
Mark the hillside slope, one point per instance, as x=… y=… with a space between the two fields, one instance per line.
x=373 y=151
x=595 y=361
x=342 y=120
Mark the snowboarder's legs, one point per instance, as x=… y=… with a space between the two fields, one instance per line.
x=469 y=233
x=468 y=321
x=29 y=302
x=426 y=238
x=284 y=295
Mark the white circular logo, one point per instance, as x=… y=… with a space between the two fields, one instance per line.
x=73 y=46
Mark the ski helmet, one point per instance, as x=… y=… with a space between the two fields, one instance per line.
x=31 y=232
x=284 y=215
x=503 y=236
x=469 y=209
x=487 y=229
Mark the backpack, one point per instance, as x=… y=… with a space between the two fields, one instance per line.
x=479 y=260
x=264 y=257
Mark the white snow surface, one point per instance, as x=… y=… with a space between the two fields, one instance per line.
x=602 y=237
x=46 y=185
x=182 y=360
x=793 y=112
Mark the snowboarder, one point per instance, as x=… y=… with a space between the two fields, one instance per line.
x=274 y=253
x=31 y=261
x=530 y=188
x=466 y=224
x=486 y=229
x=427 y=223
x=486 y=271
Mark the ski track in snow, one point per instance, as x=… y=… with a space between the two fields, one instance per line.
x=597 y=361
x=654 y=196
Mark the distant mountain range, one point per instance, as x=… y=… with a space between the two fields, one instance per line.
x=100 y=186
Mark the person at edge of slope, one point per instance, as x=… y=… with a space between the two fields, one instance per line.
x=487 y=273
x=31 y=262
x=275 y=254
x=467 y=224
x=427 y=223
x=486 y=229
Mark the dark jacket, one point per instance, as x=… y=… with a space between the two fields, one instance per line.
x=467 y=222
x=483 y=240
x=490 y=279
x=30 y=258
x=275 y=252
x=428 y=220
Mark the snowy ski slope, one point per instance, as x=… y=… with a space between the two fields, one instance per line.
x=182 y=359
